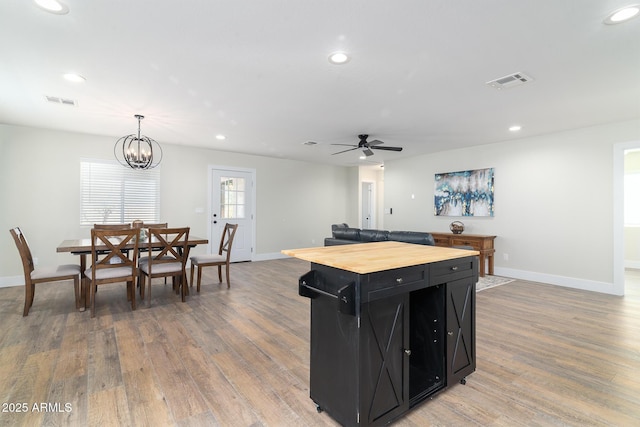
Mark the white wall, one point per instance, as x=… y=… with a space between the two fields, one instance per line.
x=296 y=202
x=553 y=202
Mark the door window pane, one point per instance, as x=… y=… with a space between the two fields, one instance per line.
x=232 y=197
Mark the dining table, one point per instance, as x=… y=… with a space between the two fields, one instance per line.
x=82 y=247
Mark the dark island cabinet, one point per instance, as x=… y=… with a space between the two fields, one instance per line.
x=384 y=342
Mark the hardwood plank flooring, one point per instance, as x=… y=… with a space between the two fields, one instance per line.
x=546 y=356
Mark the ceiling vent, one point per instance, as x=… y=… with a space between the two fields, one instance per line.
x=515 y=79
x=61 y=101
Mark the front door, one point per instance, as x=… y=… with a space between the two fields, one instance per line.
x=232 y=199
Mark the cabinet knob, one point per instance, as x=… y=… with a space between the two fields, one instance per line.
x=450 y=333
x=454 y=268
x=407 y=352
x=399 y=280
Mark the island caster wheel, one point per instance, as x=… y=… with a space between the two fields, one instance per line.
x=318 y=408
x=463 y=381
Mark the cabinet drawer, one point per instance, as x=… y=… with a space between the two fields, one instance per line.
x=394 y=278
x=446 y=271
x=441 y=241
x=461 y=241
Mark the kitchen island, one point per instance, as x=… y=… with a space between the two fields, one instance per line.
x=392 y=324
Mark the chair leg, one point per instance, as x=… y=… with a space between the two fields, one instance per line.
x=131 y=288
x=85 y=292
x=92 y=289
x=28 y=298
x=227 y=271
x=219 y=273
x=183 y=285
x=199 y=277
x=191 y=282
x=76 y=290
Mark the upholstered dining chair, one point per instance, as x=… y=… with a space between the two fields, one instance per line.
x=115 y=264
x=216 y=260
x=33 y=276
x=168 y=252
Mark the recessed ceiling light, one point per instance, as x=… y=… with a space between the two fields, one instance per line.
x=515 y=128
x=622 y=15
x=72 y=77
x=221 y=137
x=338 y=58
x=53 y=6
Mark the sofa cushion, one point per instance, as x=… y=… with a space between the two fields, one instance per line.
x=417 y=237
x=373 y=235
x=347 y=233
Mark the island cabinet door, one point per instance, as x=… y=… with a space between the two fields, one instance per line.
x=461 y=345
x=384 y=371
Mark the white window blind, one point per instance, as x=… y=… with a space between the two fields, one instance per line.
x=113 y=194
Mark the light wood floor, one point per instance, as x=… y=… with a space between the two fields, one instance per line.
x=240 y=357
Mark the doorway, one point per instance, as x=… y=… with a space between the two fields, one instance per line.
x=232 y=200
x=368 y=196
x=618 y=214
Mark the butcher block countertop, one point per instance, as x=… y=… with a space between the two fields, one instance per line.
x=364 y=258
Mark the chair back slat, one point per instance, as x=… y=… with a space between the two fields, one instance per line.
x=168 y=245
x=226 y=241
x=23 y=248
x=116 y=254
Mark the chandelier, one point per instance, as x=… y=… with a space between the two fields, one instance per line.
x=138 y=151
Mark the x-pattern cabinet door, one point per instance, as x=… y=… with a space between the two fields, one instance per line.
x=385 y=371
x=461 y=346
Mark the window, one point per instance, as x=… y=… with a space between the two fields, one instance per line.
x=631 y=199
x=232 y=197
x=113 y=194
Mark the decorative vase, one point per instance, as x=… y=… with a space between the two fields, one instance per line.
x=456 y=227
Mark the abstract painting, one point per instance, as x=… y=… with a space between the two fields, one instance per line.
x=464 y=193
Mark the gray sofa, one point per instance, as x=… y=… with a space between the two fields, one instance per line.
x=342 y=234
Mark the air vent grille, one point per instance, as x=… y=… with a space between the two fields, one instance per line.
x=61 y=101
x=515 y=79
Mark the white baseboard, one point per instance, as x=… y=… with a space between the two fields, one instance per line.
x=269 y=256
x=567 y=282
x=9 y=281
x=628 y=263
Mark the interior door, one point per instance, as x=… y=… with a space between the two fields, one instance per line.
x=368 y=205
x=232 y=199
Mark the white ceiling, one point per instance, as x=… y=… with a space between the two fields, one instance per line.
x=257 y=71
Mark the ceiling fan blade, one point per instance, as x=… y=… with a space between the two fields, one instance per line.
x=367 y=152
x=347 y=145
x=344 y=151
x=375 y=142
x=387 y=148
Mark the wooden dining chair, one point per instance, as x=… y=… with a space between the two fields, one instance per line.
x=168 y=250
x=115 y=264
x=112 y=226
x=33 y=276
x=223 y=256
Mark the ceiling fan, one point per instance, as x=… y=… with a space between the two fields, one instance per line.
x=366 y=147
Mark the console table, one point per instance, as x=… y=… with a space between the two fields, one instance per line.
x=392 y=324
x=479 y=242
